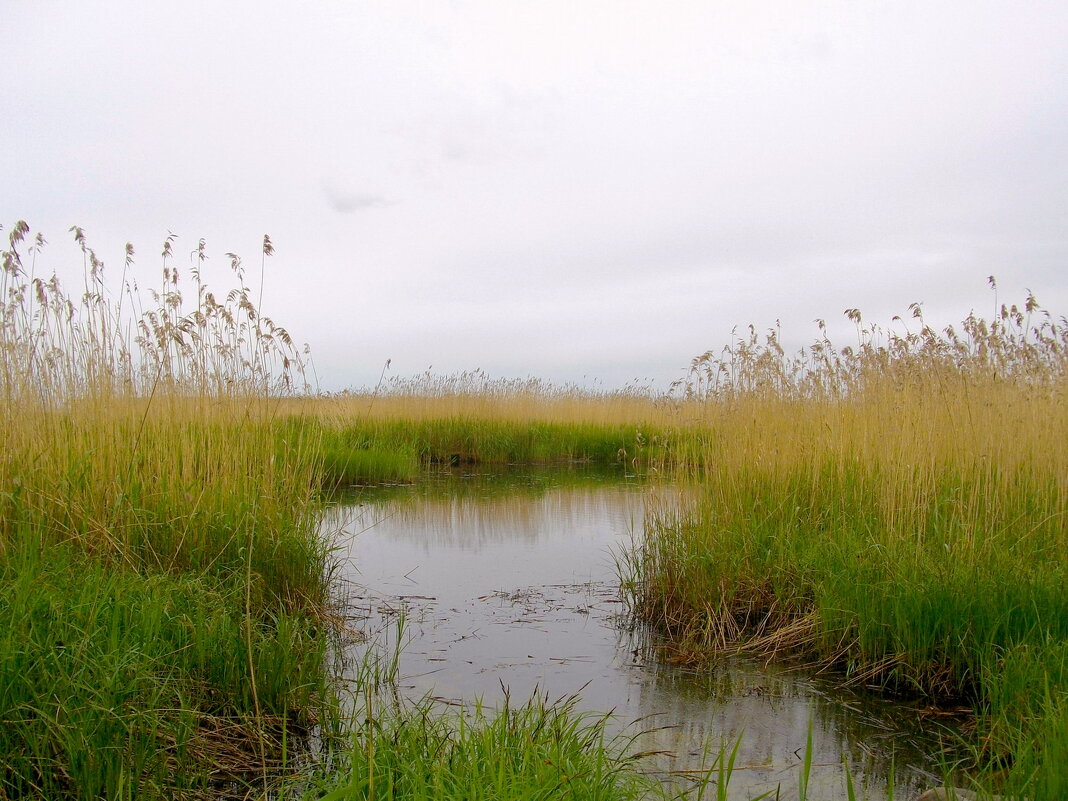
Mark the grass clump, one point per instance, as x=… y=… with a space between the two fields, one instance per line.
x=116 y=682
x=350 y=466
x=539 y=749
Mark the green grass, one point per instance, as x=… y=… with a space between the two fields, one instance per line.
x=414 y=444
x=362 y=450
x=115 y=684
x=350 y=466
x=536 y=750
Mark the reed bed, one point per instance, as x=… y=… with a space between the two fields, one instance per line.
x=476 y=395
x=896 y=510
x=160 y=576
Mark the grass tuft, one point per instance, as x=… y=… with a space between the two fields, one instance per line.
x=539 y=749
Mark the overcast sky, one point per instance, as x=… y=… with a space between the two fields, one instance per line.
x=577 y=191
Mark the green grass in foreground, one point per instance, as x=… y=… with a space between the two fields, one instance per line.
x=536 y=750
x=116 y=684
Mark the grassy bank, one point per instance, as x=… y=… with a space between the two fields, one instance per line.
x=897 y=509
x=365 y=451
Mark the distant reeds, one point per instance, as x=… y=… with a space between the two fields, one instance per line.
x=478 y=396
x=395 y=431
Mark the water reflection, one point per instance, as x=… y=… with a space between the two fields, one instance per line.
x=508 y=579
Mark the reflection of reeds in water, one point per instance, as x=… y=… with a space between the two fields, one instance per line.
x=472 y=522
x=772 y=714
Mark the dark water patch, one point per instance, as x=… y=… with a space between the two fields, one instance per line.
x=505 y=580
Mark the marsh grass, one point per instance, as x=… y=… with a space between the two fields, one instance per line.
x=160 y=581
x=895 y=509
x=466 y=441
x=404 y=426
x=122 y=683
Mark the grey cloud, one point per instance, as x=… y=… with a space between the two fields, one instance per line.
x=345 y=202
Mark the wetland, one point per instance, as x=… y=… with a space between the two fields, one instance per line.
x=506 y=581
x=195 y=603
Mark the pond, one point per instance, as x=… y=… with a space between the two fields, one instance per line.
x=506 y=580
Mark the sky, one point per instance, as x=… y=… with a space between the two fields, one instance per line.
x=584 y=192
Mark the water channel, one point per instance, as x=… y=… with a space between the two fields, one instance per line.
x=507 y=579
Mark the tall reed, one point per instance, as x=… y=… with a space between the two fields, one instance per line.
x=161 y=576
x=896 y=507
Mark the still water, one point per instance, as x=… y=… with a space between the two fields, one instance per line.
x=508 y=579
